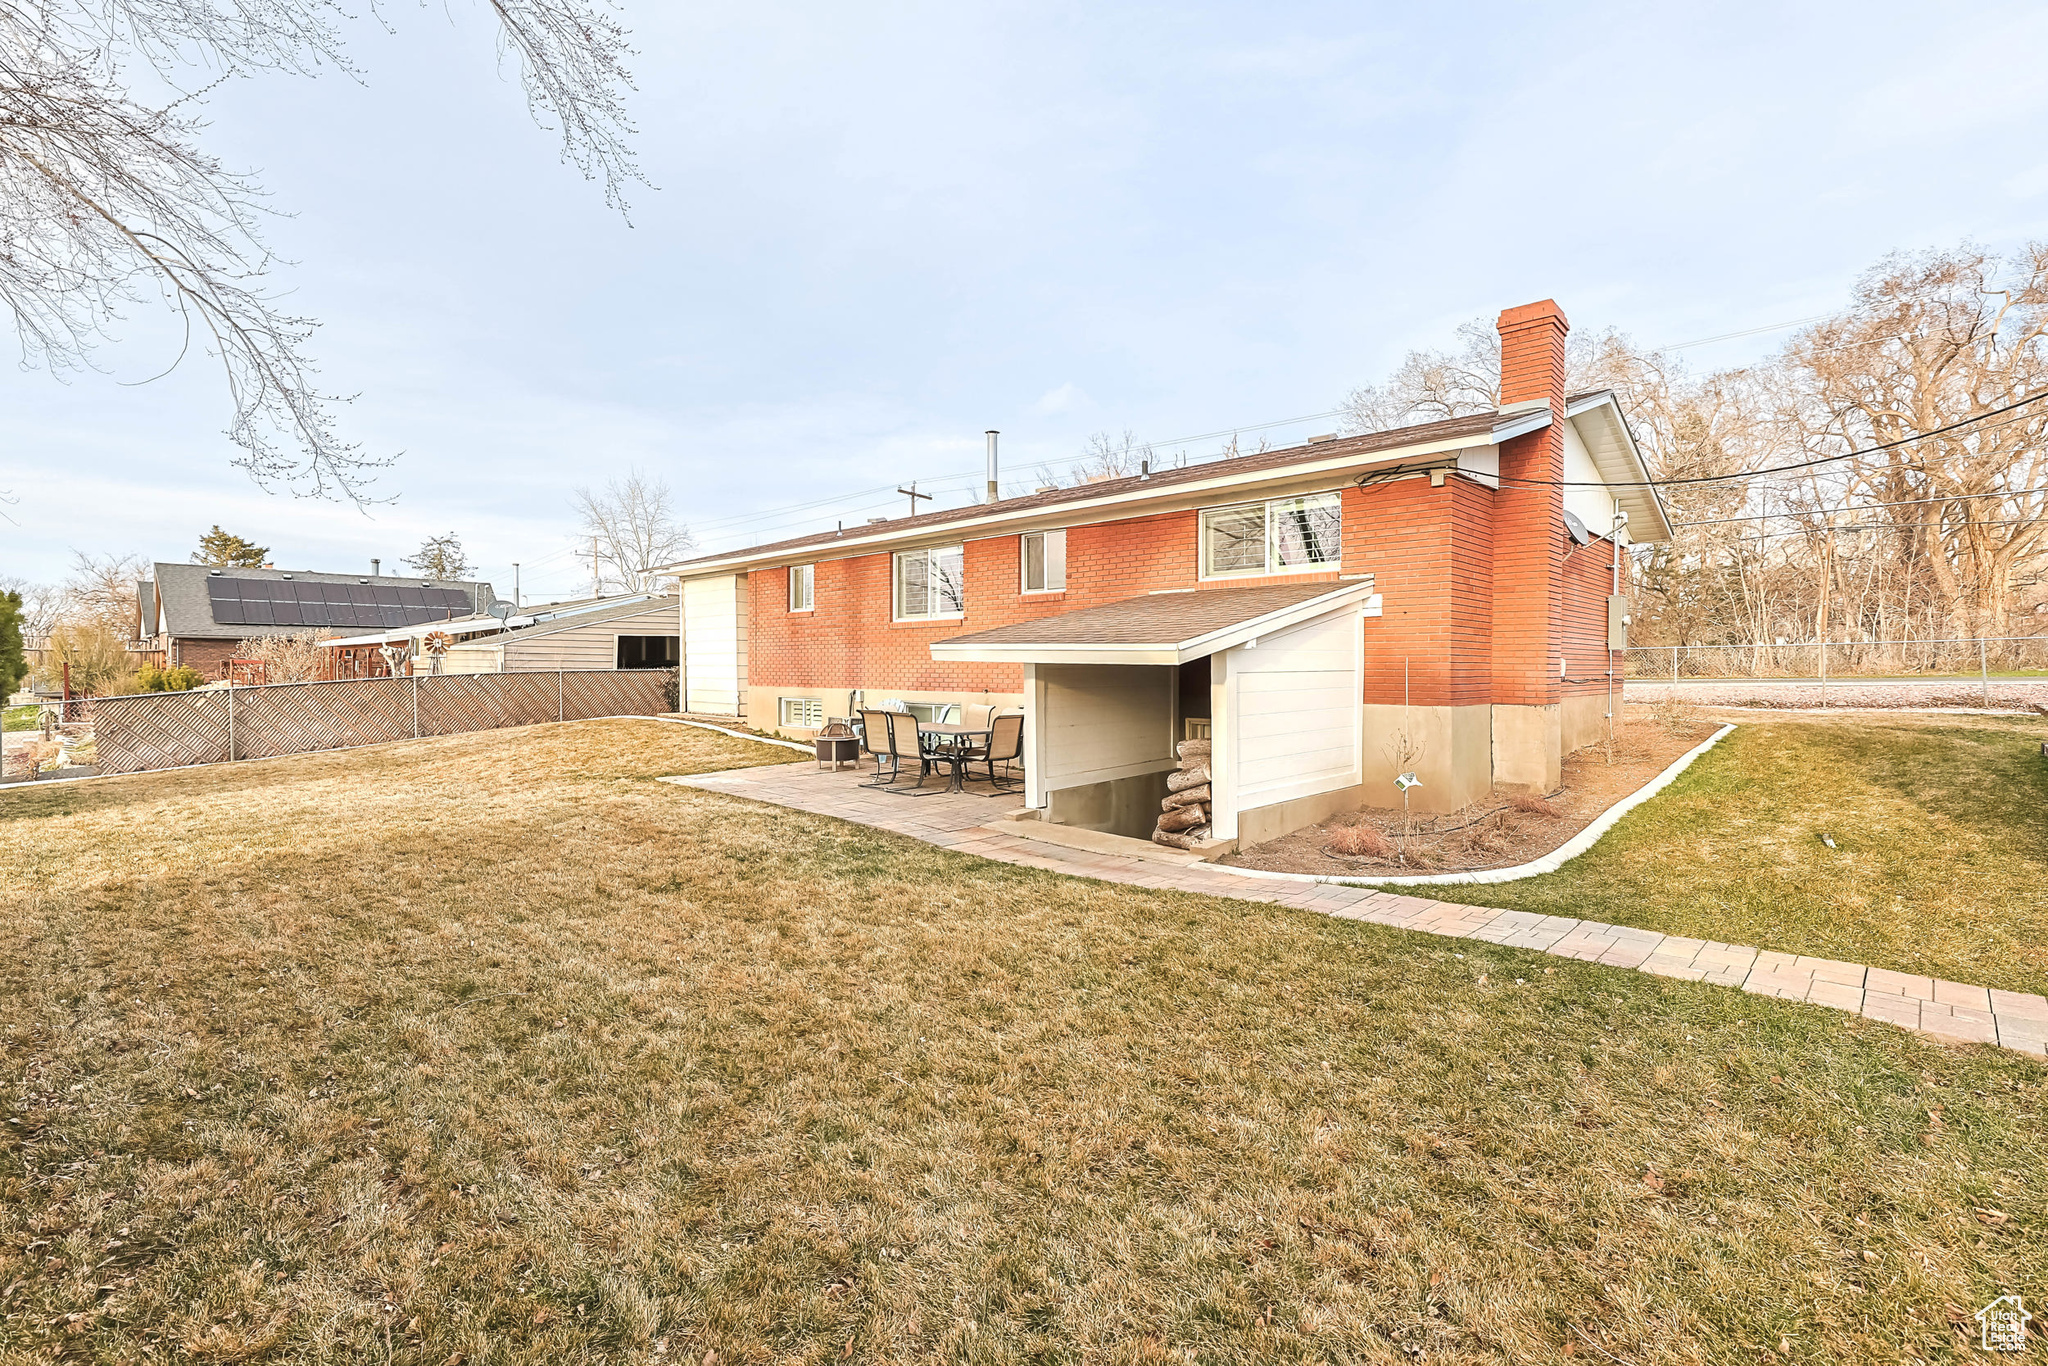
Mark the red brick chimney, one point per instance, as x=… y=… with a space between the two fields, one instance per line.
x=1528 y=554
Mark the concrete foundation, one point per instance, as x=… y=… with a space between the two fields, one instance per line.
x=1121 y=806
x=1528 y=747
x=1455 y=759
x=1583 y=720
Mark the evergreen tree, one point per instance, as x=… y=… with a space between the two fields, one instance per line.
x=13 y=662
x=230 y=551
x=442 y=557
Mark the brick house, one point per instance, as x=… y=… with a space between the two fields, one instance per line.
x=1449 y=588
x=197 y=614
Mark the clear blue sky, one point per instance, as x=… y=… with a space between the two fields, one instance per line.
x=878 y=230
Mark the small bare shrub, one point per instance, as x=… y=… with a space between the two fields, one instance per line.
x=1675 y=714
x=1360 y=841
x=1529 y=804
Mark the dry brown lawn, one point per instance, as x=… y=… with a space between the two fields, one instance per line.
x=491 y=1049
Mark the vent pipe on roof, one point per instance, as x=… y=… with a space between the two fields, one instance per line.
x=992 y=494
x=376 y=568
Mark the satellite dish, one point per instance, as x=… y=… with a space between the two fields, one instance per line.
x=1577 y=528
x=501 y=609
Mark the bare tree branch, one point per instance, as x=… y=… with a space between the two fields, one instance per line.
x=107 y=201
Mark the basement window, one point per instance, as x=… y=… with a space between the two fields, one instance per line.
x=1279 y=536
x=1045 y=561
x=930 y=584
x=802 y=713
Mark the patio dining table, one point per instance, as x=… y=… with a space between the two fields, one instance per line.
x=951 y=745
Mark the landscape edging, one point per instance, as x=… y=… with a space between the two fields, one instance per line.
x=1549 y=863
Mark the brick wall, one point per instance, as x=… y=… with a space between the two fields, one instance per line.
x=850 y=641
x=207 y=656
x=1588 y=579
x=1528 y=539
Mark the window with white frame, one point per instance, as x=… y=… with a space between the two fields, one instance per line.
x=1045 y=561
x=802 y=581
x=933 y=713
x=929 y=584
x=1279 y=536
x=804 y=713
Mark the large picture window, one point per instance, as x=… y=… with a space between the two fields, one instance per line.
x=1045 y=561
x=802 y=582
x=1280 y=536
x=929 y=584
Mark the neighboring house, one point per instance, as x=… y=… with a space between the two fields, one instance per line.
x=634 y=635
x=1440 y=598
x=197 y=614
x=627 y=631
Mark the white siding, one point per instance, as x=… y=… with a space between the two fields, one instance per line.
x=1594 y=506
x=1100 y=722
x=715 y=645
x=1294 y=731
x=588 y=647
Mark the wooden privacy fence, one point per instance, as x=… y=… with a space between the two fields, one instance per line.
x=216 y=725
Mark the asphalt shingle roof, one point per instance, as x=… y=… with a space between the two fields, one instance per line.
x=1157 y=619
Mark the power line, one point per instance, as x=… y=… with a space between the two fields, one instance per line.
x=1883 y=526
x=1868 y=507
x=1776 y=469
x=1746 y=332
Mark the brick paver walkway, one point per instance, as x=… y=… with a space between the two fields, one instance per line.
x=1950 y=1010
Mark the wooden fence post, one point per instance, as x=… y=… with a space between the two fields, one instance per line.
x=561 y=707
x=231 y=716
x=415 y=706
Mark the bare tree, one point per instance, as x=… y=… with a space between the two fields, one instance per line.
x=41 y=604
x=442 y=557
x=101 y=588
x=1896 y=534
x=631 y=526
x=107 y=200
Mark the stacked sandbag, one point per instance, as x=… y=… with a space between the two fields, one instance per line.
x=1184 y=815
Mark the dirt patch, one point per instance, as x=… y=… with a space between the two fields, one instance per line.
x=1500 y=831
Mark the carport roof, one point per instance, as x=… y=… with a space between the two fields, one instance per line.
x=1159 y=628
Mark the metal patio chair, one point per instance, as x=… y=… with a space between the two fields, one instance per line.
x=1005 y=746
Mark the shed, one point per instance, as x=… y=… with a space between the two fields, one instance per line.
x=644 y=633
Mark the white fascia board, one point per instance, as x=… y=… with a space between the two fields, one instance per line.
x=1162 y=652
x=1604 y=429
x=1131 y=503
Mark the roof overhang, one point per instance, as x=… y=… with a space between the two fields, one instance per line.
x=1354 y=595
x=1600 y=424
x=1127 y=502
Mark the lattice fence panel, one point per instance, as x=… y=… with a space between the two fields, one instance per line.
x=160 y=730
x=295 y=718
x=528 y=697
x=626 y=692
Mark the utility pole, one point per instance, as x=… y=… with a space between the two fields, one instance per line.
x=517 y=601
x=914 y=495
x=596 y=589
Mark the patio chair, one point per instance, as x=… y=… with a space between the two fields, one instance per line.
x=874 y=741
x=906 y=741
x=976 y=715
x=1005 y=746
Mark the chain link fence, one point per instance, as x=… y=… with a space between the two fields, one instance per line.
x=218 y=725
x=1975 y=657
